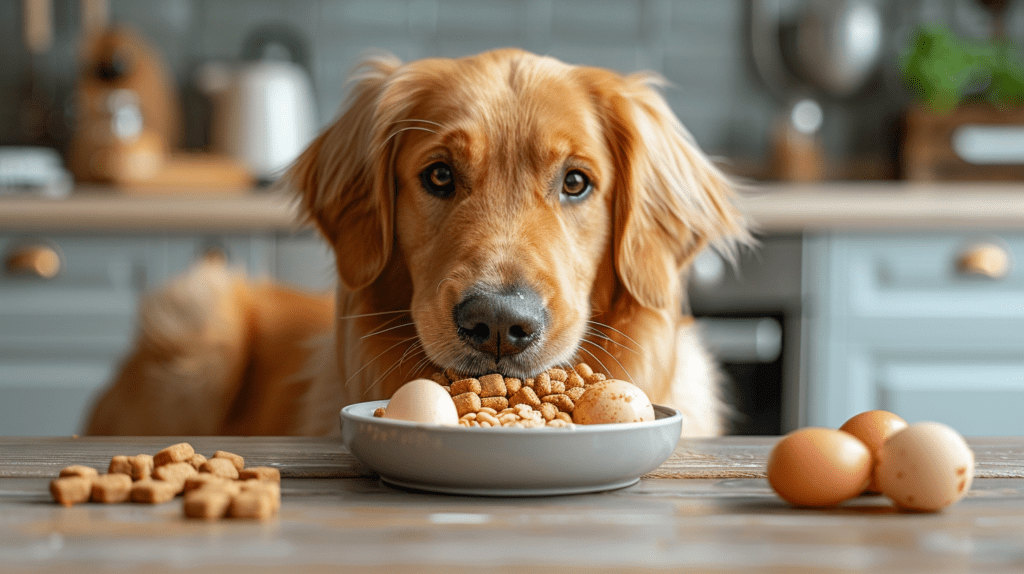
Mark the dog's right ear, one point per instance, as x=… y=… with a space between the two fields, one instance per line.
x=345 y=179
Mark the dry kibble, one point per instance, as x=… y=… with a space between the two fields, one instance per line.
x=594 y=378
x=141 y=466
x=584 y=370
x=440 y=379
x=466 y=386
x=573 y=380
x=379 y=412
x=71 y=489
x=561 y=402
x=222 y=467
x=151 y=491
x=494 y=403
x=512 y=386
x=575 y=393
x=557 y=387
x=119 y=465
x=525 y=396
x=207 y=503
x=79 y=470
x=109 y=488
x=452 y=375
x=558 y=375
x=542 y=385
x=564 y=417
x=235 y=459
x=466 y=403
x=273 y=488
x=492 y=385
x=180 y=452
x=262 y=473
x=548 y=411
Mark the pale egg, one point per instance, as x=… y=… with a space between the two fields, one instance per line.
x=612 y=401
x=816 y=466
x=926 y=466
x=873 y=428
x=422 y=401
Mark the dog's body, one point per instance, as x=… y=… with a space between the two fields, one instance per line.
x=504 y=212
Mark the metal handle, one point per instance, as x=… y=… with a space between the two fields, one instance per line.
x=985 y=260
x=41 y=261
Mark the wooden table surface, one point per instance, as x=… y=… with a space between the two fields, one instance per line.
x=707 y=509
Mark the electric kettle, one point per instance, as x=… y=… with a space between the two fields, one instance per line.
x=263 y=107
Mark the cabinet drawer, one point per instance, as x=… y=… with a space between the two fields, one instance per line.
x=90 y=301
x=922 y=275
x=975 y=395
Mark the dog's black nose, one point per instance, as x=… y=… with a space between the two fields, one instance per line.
x=503 y=323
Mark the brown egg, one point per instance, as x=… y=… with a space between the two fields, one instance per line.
x=874 y=428
x=612 y=401
x=926 y=467
x=816 y=466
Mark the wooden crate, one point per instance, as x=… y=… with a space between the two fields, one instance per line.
x=928 y=153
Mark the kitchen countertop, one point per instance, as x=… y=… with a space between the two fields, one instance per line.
x=707 y=509
x=772 y=207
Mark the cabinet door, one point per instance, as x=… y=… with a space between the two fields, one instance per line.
x=892 y=325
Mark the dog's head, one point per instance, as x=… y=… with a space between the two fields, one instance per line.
x=519 y=194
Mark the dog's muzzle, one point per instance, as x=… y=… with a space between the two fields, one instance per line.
x=503 y=323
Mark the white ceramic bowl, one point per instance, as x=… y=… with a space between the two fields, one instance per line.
x=509 y=461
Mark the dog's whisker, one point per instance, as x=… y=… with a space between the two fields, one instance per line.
x=442 y=283
x=370 y=362
x=419 y=121
x=388 y=329
x=599 y=324
x=371 y=314
x=593 y=356
x=396 y=132
x=386 y=372
x=597 y=333
x=613 y=358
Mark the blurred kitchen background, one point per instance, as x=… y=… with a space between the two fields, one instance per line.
x=120 y=118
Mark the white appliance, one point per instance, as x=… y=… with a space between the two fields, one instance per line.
x=264 y=107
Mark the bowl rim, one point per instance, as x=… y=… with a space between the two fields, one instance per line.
x=663 y=416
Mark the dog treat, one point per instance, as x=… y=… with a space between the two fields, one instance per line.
x=467 y=402
x=71 y=489
x=197 y=460
x=120 y=465
x=209 y=494
x=238 y=461
x=180 y=452
x=207 y=503
x=151 y=491
x=175 y=473
x=252 y=503
x=109 y=488
x=222 y=467
x=141 y=466
x=260 y=473
x=79 y=470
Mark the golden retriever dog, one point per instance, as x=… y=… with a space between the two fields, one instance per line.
x=503 y=212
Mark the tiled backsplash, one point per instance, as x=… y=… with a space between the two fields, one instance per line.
x=700 y=46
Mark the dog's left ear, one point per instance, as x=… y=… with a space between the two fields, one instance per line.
x=670 y=200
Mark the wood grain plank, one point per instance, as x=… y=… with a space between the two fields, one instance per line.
x=303 y=457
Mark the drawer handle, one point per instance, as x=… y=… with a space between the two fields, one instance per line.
x=986 y=260
x=41 y=261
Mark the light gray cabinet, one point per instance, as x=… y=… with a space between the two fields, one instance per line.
x=62 y=337
x=896 y=321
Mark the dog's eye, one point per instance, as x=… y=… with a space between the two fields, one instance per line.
x=438 y=180
x=576 y=184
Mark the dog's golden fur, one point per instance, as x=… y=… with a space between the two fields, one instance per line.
x=609 y=266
